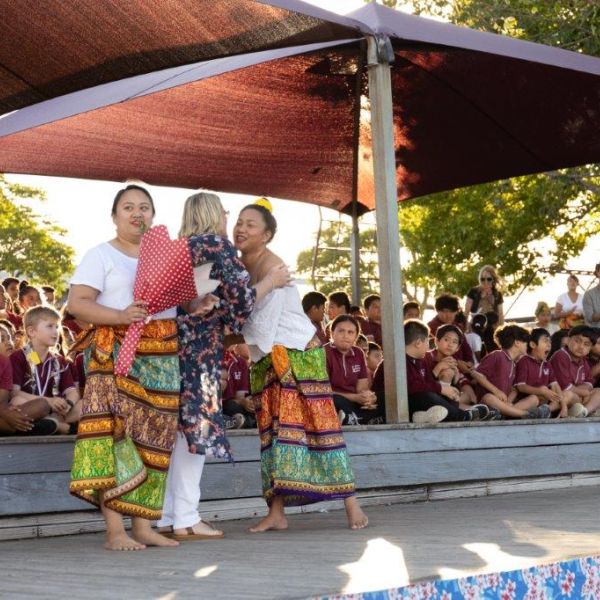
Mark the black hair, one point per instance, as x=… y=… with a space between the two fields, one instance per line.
x=478 y=323
x=442 y=330
x=313 y=300
x=354 y=308
x=583 y=331
x=6 y=323
x=267 y=215
x=556 y=340
x=343 y=319
x=415 y=330
x=131 y=186
x=509 y=334
x=460 y=318
x=535 y=336
x=410 y=304
x=447 y=302
x=48 y=288
x=340 y=299
x=373 y=347
x=8 y=280
x=370 y=299
x=362 y=338
x=25 y=289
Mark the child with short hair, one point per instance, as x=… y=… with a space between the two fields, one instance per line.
x=534 y=375
x=39 y=372
x=411 y=310
x=573 y=370
x=238 y=407
x=371 y=324
x=495 y=377
x=374 y=357
x=428 y=400
x=313 y=305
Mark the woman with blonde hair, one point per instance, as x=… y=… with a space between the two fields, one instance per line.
x=200 y=328
x=486 y=297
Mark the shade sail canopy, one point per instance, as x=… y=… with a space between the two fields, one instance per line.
x=286 y=115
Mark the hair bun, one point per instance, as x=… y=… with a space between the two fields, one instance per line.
x=264 y=202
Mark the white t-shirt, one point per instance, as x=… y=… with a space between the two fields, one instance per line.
x=476 y=344
x=278 y=319
x=112 y=273
x=567 y=304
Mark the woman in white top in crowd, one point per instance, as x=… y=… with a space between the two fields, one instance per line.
x=303 y=454
x=569 y=306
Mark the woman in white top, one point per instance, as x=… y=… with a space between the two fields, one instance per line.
x=569 y=306
x=303 y=454
x=128 y=424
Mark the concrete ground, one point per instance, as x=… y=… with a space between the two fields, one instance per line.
x=318 y=555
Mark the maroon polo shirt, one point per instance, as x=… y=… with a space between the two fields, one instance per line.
x=345 y=369
x=371 y=328
x=499 y=369
x=431 y=360
x=419 y=378
x=530 y=371
x=570 y=371
x=16 y=320
x=238 y=379
x=78 y=370
x=321 y=334
x=24 y=378
x=378 y=384
x=6 y=380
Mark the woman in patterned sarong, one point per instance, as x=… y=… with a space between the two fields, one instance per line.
x=128 y=424
x=303 y=454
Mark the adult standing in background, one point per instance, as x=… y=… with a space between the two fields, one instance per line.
x=486 y=297
x=591 y=303
x=569 y=306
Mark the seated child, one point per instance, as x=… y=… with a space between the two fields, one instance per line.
x=474 y=335
x=39 y=372
x=338 y=303
x=237 y=402
x=495 y=377
x=442 y=363
x=488 y=339
x=313 y=305
x=594 y=359
x=347 y=369
x=374 y=357
x=558 y=340
x=428 y=400
x=411 y=310
x=572 y=370
x=534 y=375
x=27 y=419
x=371 y=325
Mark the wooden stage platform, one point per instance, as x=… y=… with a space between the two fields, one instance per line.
x=318 y=556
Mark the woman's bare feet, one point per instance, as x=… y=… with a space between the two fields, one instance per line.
x=356 y=517
x=142 y=532
x=122 y=542
x=200 y=529
x=274 y=520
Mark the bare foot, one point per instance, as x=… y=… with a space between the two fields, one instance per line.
x=356 y=517
x=200 y=528
x=122 y=542
x=276 y=522
x=149 y=537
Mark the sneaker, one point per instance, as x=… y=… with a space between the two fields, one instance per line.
x=235 y=422
x=543 y=411
x=479 y=412
x=435 y=414
x=493 y=415
x=578 y=410
x=341 y=417
x=376 y=421
x=352 y=419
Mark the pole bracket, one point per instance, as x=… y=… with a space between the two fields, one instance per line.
x=380 y=50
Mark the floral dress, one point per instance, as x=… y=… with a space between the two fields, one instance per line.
x=201 y=345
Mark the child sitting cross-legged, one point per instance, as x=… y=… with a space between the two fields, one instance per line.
x=534 y=375
x=495 y=377
x=39 y=372
x=430 y=401
x=238 y=408
x=572 y=369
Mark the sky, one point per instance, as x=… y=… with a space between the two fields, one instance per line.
x=82 y=207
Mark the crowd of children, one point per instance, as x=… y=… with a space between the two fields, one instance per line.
x=458 y=369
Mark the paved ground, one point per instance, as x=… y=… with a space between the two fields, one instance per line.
x=318 y=555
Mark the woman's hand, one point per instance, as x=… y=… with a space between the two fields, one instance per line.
x=136 y=311
x=200 y=307
x=279 y=275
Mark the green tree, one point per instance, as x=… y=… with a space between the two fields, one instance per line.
x=31 y=246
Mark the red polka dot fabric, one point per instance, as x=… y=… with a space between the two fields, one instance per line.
x=164 y=278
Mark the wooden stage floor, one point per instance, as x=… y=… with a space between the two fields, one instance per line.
x=318 y=556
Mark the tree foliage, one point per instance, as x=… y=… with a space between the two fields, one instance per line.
x=31 y=246
x=520 y=225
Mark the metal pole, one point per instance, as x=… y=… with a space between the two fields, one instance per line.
x=355 y=257
x=379 y=56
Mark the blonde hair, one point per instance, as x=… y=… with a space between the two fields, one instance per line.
x=497 y=283
x=202 y=213
x=35 y=315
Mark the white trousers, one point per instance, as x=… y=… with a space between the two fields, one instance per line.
x=180 y=509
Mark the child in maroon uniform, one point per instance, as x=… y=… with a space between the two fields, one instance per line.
x=41 y=373
x=237 y=403
x=371 y=325
x=374 y=357
x=411 y=310
x=313 y=305
x=572 y=370
x=495 y=377
x=534 y=375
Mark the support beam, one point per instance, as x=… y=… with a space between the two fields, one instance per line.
x=379 y=56
x=355 y=258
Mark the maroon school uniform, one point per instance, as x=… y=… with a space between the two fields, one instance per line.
x=6 y=380
x=44 y=384
x=499 y=369
x=72 y=326
x=78 y=370
x=419 y=378
x=431 y=360
x=378 y=384
x=530 y=371
x=345 y=369
x=464 y=352
x=16 y=320
x=238 y=379
x=321 y=334
x=570 y=371
x=371 y=328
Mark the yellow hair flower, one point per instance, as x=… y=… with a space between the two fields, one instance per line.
x=264 y=202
